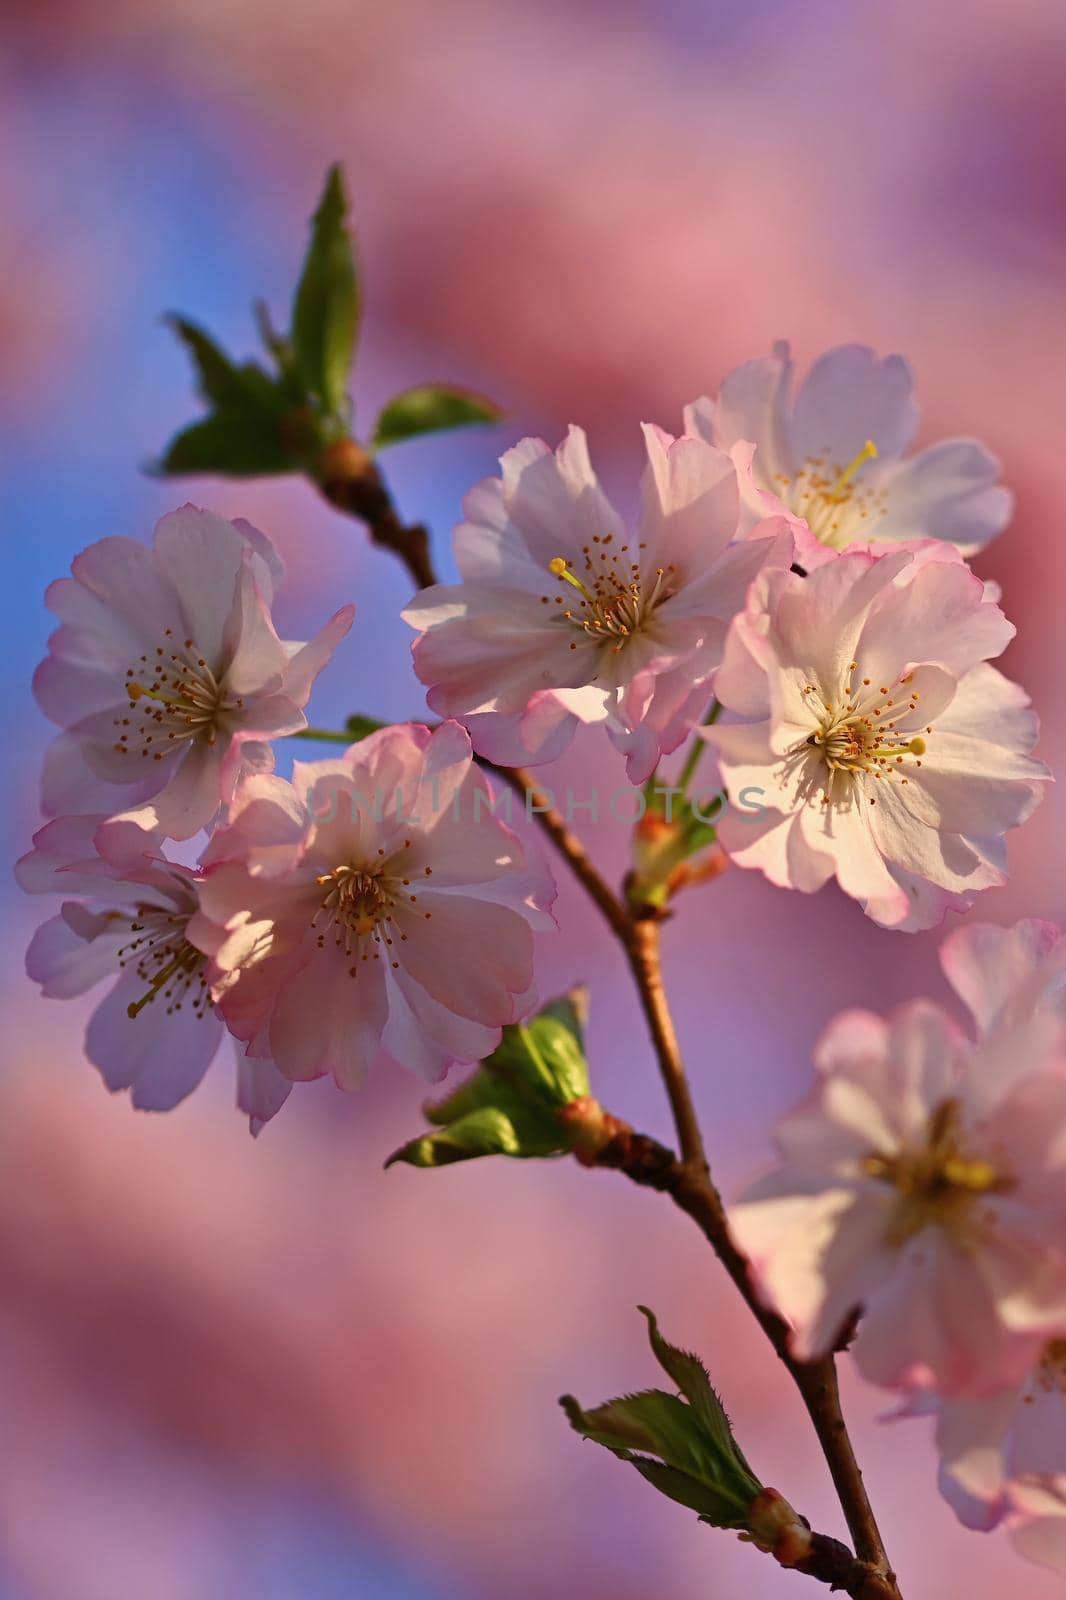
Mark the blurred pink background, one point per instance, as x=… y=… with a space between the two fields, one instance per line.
x=231 y=1369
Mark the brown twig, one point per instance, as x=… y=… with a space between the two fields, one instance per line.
x=350 y=481
x=650 y=1164
x=568 y=844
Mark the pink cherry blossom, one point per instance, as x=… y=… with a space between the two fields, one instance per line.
x=1005 y=975
x=833 y=456
x=373 y=908
x=167 y=674
x=156 y=1031
x=924 y=1182
x=563 y=616
x=881 y=749
x=1003 y=1456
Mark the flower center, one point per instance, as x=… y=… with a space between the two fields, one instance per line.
x=940 y=1182
x=174 y=696
x=615 y=600
x=857 y=736
x=165 y=961
x=833 y=503
x=359 y=904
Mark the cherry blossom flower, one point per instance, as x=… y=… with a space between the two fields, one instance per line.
x=374 y=907
x=167 y=675
x=1005 y=975
x=833 y=456
x=883 y=750
x=562 y=616
x=156 y=1031
x=924 y=1182
x=1003 y=1456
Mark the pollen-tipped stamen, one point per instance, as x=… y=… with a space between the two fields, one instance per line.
x=867 y=453
x=559 y=569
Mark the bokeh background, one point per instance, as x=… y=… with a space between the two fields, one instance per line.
x=233 y=1369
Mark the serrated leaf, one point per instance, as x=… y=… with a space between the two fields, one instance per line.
x=236 y=443
x=691 y=1377
x=711 y=1506
x=658 y=1434
x=431 y=408
x=683 y=1444
x=325 y=314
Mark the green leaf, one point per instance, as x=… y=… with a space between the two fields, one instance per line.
x=690 y=1375
x=361 y=727
x=658 y=1434
x=508 y=1129
x=243 y=436
x=236 y=443
x=712 y=1507
x=431 y=408
x=325 y=313
x=223 y=382
x=512 y=1104
x=682 y=1444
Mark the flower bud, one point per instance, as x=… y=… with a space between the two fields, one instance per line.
x=774 y=1526
x=343 y=461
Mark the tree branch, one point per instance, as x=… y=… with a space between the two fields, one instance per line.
x=352 y=483
x=646 y=1162
x=350 y=480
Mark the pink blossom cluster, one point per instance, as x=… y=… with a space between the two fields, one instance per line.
x=792 y=562
x=792 y=570
x=321 y=935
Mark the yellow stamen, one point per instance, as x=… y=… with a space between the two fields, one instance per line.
x=185 y=959
x=976 y=1176
x=867 y=453
x=136 y=690
x=558 y=567
x=916 y=747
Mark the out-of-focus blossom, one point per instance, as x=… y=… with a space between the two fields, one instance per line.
x=1003 y=975
x=380 y=907
x=563 y=616
x=156 y=1031
x=885 y=751
x=167 y=674
x=924 y=1183
x=1003 y=1457
x=832 y=457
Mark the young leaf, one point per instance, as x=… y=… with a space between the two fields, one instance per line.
x=690 y=1375
x=219 y=378
x=361 y=727
x=325 y=314
x=237 y=443
x=515 y=1104
x=506 y=1128
x=683 y=1445
x=430 y=408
